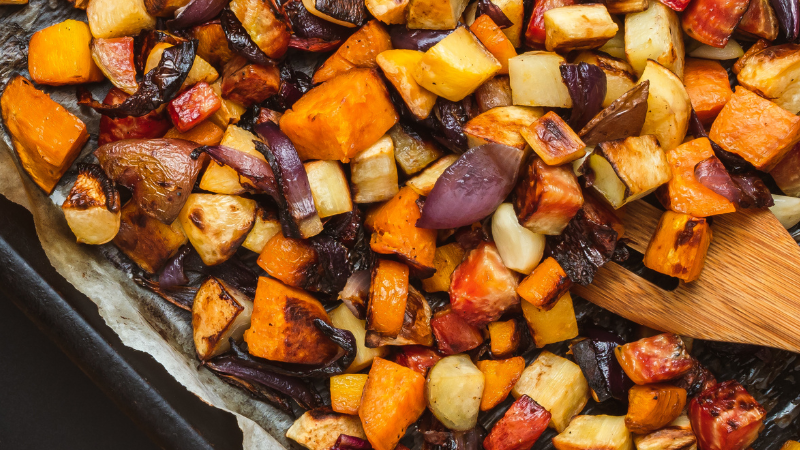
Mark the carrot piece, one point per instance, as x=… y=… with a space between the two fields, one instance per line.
x=683 y=193
x=445 y=260
x=60 y=54
x=346 y=392
x=653 y=406
x=678 y=246
x=500 y=377
x=206 y=133
x=545 y=285
x=454 y=334
x=504 y=337
x=493 y=38
x=707 y=84
x=287 y=259
x=388 y=294
x=756 y=129
x=360 y=50
x=46 y=137
x=193 y=106
x=393 y=399
x=520 y=427
x=282 y=327
x=395 y=231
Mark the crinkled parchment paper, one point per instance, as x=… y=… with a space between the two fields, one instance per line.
x=143 y=321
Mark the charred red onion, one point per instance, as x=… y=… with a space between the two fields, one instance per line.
x=345 y=442
x=254 y=169
x=356 y=292
x=196 y=12
x=745 y=190
x=586 y=84
x=494 y=12
x=788 y=12
x=239 y=40
x=420 y=40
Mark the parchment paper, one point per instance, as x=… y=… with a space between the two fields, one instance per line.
x=142 y=320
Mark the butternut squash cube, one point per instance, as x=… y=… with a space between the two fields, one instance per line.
x=578 y=27
x=346 y=392
x=360 y=50
x=553 y=140
x=205 y=133
x=398 y=67
x=445 y=260
x=708 y=87
x=60 y=54
x=545 y=285
x=653 y=406
x=504 y=337
x=554 y=325
x=289 y=260
x=499 y=378
x=388 y=294
x=679 y=245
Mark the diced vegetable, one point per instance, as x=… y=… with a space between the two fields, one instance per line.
x=678 y=435
x=756 y=129
x=453 y=389
x=319 y=429
x=209 y=36
x=519 y=428
x=373 y=173
x=678 y=246
x=505 y=337
x=193 y=106
x=147 y=241
x=217 y=224
x=791 y=445
x=434 y=15
x=456 y=66
x=423 y=183
x=416 y=328
x=712 y=21
x=578 y=27
x=445 y=260
x=230 y=112
x=92 y=206
x=726 y=417
x=418 y=358
x=771 y=72
x=654 y=359
x=536 y=80
x=558 y=385
x=60 y=54
x=264 y=27
x=341 y=117
x=500 y=377
x=545 y=285
x=708 y=87
x=535 y=31
x=329 y=188
x=412 y=151
x=556 y=324
x=393 y=399
x=201 y=70
x=390 y=12
x=152 y=125
x=759 y=21
x=342 y=318
x=623 y=118
x=264 y=228
x=668 y=106
x=654 y=34
x=492 y=37
x=514 y=10
x=600 y=367
x=248 y=84
x=115 y=18
x=114 y=57
x=346 y=392
x=786 y=210
x=761 y=44
x=731 y=50
x=289 y=260
x=348 y=22
x=223 y=179
x=654 y=406
x=454 y=334
x=553 y=140
x=590 y=432
x=283 y=317
x=46 y=137
x=219 y=313
x=620 y=76
x=387 y=297
x=628 y=6
x=520 y=248
x=493 y=93
x=205 y=133
x=360 y=50
x=501 y=125
x=482 y=288
x=547 y=197
x=398 y=66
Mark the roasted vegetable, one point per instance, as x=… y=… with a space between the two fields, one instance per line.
x=92 y=207
x=590 y=432
x=329 y=188
x=217 y=224
x=668 y=106
x=547 y=197
x=200 y=70
x=416 y=328
x=423 y=183
x=557 y=384
x=230 y=112
x=60 y=54
x=219 y=313
x=620 y=76
x=46 y=137
x=343 y=319
x=623 y=118
x=205 y=133
x=770 y=72
x=535 y=31
x=519 y=428
x=387 y=297
x=223 y=179
x=159 y=172
x=413 y=151
x=493 y=93
x=433 y=15
x=651 y=360
x=293 y=261
x=454 y=334
x=595 y=356
x=264 y=228
x=578 y=27
x=654 y=406
x=555 y=324
x=453 y=390
x=320 y=428
x=549 y=89
x=373 y=173
x=115 y=58
x=708 y=87
x=209 y=35
x=633 y=6
x=112 y=18
x=393 y=399
x=520 y=248
x=712 y=21
x=679 y=245
x=791 y=445
x=786 y=173
x=390 y=12
x=545 y=285
x=726 y=417
x=152 y=125
x=759 y=21
x=445 y=260
x=164 y=8
x=346 y=392
x=360 y=50
x=744 y=190
x=262 y=25
x=501 y=125
x=676 y=436
x=247 y=84
x=654 y=34
x=499 y=378
x=553 y=140
x=146 y=241
x=418 y=358
x=398 y=66
x=493 y=38
x=193 y=106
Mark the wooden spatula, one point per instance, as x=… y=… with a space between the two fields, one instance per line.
x=748 y=292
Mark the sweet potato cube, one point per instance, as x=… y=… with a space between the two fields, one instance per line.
x=553 y=140
x=416 y=329
x=578 y=27
x=46 y=137
x=547 y=197
x=209 y=37
x=388 y=294
x=147 y=241
x=589 y=432
x=712 y=21
x=545 y=285
x=249 y=84
x=445 y=260
x=340 y=117
x=678 y=246
x=707 y=84
x=654 y=406
x=535 y=79
x=360 y=50
x=398 y=67
x=454 y=334
x=60 y=54
x=726 y=417
x=395 y=231
x=193 y=106
x=500 y=377
x=683 y=193
x=505 y=337
x=283 y=327
x=519 y=428
x=289 y=260
x=557 y=324
x=791 y=445
x=756 y=129
x=393 y=399
x=501 y=125
x=114 y=57
x=654 y=359
x=205 y=133
x=493 y=38
x=346 y=392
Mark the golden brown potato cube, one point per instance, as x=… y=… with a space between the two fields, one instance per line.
x=147 y=241
x=329 y=188
x=679 y=245
x=434 y=14
x=398 y=67
x=217 y=224
x=423 y=183
x=655 y=34
x=620 y=76
x=219 y=313
x=591 y=432
x=229 y=113
x=501 y=125
x=164 y=8
x=117 y=18
x=390 y=12
x=373 y=173
x=578 y=27
x=264 y=228
x=318 y=429
x=547 y=197
x=60 y=54
x=536 y=80
x=340 y=117
x=553 y=140
x=359 y=50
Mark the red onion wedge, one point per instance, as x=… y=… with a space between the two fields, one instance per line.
x=472 y=188
x=248 y=166
x=420 y=40
x=346 y=442
x=196 y=12
x=586 y=84
x=745 y=190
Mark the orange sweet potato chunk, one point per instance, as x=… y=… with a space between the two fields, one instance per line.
x=60 y=54
x=340 y=117
x=678 y=246
x=393 y=399
x=683 y=193
x=206 y=133
x=500 y=377
x=493 y=38
x=346 y=390
x=360 y=50
x=46 y=137
x=395 y=231
x=707 y=84
x=756 y=129
x=545 y=285
x=388 y=295
x=504 y=337
x=282 y=327
x=287 y=259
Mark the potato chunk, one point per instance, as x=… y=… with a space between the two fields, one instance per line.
x=553 y=140
x=329 y=188
x=454 y=389
x=217 y=224
x=117 y=18
x=434 y=14
x=340 y=117
x=147 y=241
x=679 y=245
x=578 y=27
x=60 y=54
x=373 y=173
x=219 y=313
x=501 y=125
x=591 y=432
x=341 y=317
x=654 y=34
x=318 y=429
x=668 y=106
x=536 y=80
x=398 y=67
x=773 y=73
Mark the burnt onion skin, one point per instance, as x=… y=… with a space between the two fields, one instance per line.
x=494 y=12
x=159 y=86
x=746 y=190
x=196 y=12
x=345 y=442
x=586 y=84
x=308 y=26
x=788 y=12
x=472 y=188
x=240 y=42
x=420 y=40
x=600 y=366
x=619 y=120
x=350 y=11
x=248 y=166
x=733 y=162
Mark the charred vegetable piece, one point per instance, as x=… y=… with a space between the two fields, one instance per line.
x=651 y=360
x=193 y=106
x=165 y=8
x=387 y=298
x=159 y=172
x=413 y=151
x=520 y=427
x=493 y=93
x=535 y=31
x=545 y=67
x=545 y=285
x=209 y=36
x=654 y=34
x=601 y=368
x=556 y=324
x=342 y=318
x=505 y=337
x=578 y=27
x=193 y=12
x=92 y=207
x=416 y=329
x=398 y=67
x=770 y=72
x=557 y=384
x=264 y=28
x=633 y=6
x=224 y=179
x=493 y=38
x=759 y=21
x=201 y=70
x=416 y=39
x=654 y=406
x=115 y=58
x=329 y=188
x=390 y=12
x=588 y=432
x=501 y=125
x=346 y=392
x=677 y=435
x=205 y=133
x=395 y=232
x=759 y=45
x=150 y=126
x=619 y=75
x=453 y=389
x=373 y=173
x=708 y=87
x=112 y=18
x=744 y=190
x=320 y=428
x=349 y=11
x=454 y=334
x=46 y=137
x=547 y=197
x=341 y=117
x=360 y=50
x=514 y=12
x=418 y=358
x=219 y=313
x=393 y=399
x=587 y=89
x=445 y=260
x=726 y=417
x=147 y=241
x=520 y=248
x=248 y=84
x=482 y=288
x=712 y=21
x=622 y=119
x=282 y=319
x=424 y=183
x=217 y=224
x=678 y=246
x=500 y=377
x=788 y=13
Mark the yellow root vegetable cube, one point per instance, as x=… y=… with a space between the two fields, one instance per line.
x=398 y=66
x=329 y=188
x=117 y=18
x=536 y=80
x=578 y=27
x=346 y=392
x=554 y=325
x=434 y=14
x=501 y=125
